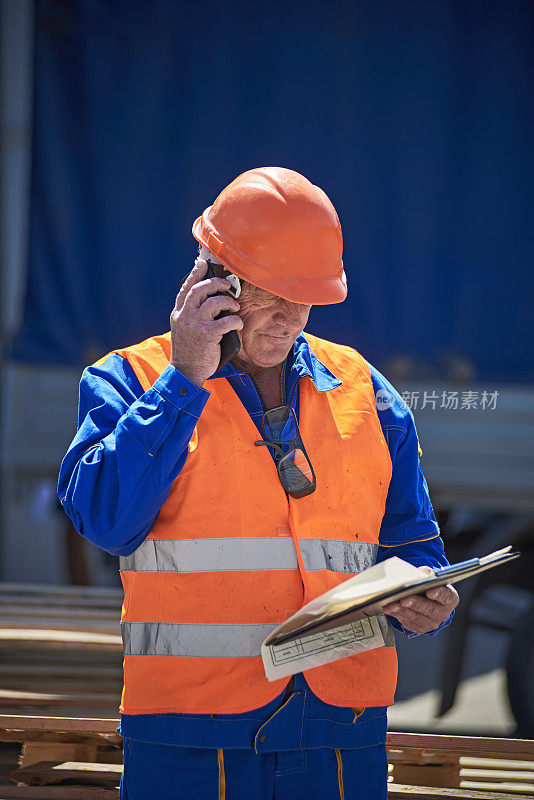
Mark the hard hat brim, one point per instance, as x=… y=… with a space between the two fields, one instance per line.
x=309 y=291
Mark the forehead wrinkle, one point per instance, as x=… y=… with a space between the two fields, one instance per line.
x=255 y=296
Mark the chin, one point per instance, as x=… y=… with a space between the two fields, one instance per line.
x=265 y=351
x=273 y=362
x=271 y=358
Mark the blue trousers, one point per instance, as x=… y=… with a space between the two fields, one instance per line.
x=167 y=772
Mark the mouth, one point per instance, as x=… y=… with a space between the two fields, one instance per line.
x=280 y=338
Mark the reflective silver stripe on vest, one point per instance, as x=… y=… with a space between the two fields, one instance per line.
x=195 y=640
x=338 y=556
x=204 y=640
x=248 y=553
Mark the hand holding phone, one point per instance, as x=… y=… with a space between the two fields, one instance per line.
x=203 y=316
x=230 y=344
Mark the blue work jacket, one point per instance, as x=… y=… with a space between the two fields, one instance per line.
x=130 y=446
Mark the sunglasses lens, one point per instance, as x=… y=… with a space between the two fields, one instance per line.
x=301 y=463
x=296 y=474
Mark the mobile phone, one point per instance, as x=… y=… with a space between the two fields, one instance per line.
x=230 y=344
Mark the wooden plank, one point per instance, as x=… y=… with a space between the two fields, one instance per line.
x=471 y=761
x=12 y=697
x=58 y=683
x=104 y=628
x=63 y=638
x=46 y=773
x=58 y=793
x=525 y=776
x=398 y=791
x=112 y=739
x=479 y=746
x=61 y=590
x=418 y=755
x=69 y=730
x=81 y=600
x=35 y=752
x=65 y=711
x=97 y=751
x=84 y=671
x=520 y=788
x=46 y=610
x=44 y=615
x=14 y=722
x=74 y=686
x=57 y=655
x=427 y=774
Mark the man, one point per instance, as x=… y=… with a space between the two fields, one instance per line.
x=235 y=495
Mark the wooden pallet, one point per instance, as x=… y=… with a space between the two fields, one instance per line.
x=50 y=607
x=426 y=767
x=460 y=767
x=54 y=750
x=60 y=650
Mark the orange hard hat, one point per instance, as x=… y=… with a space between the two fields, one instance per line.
x=278 y=231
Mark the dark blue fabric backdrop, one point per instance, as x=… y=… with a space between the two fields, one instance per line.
x=416 y=117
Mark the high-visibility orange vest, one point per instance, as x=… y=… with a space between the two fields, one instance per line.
x=230 y=555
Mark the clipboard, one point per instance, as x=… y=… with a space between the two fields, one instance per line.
x=337 y=607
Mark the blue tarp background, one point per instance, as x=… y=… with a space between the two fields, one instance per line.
x=415 y=117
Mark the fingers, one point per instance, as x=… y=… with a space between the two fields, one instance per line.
x=194 y=290
x=444 y=594
x=196 y=275
x=420 y=613
x=227 y=324
x=422 y=605
x=213 y=306
x=412 y=618
x=441 y=594
x=418 y=623
x=425 y=569
x=199 y=293
x=415 y=605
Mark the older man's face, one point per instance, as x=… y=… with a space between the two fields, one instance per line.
x=271 y=325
